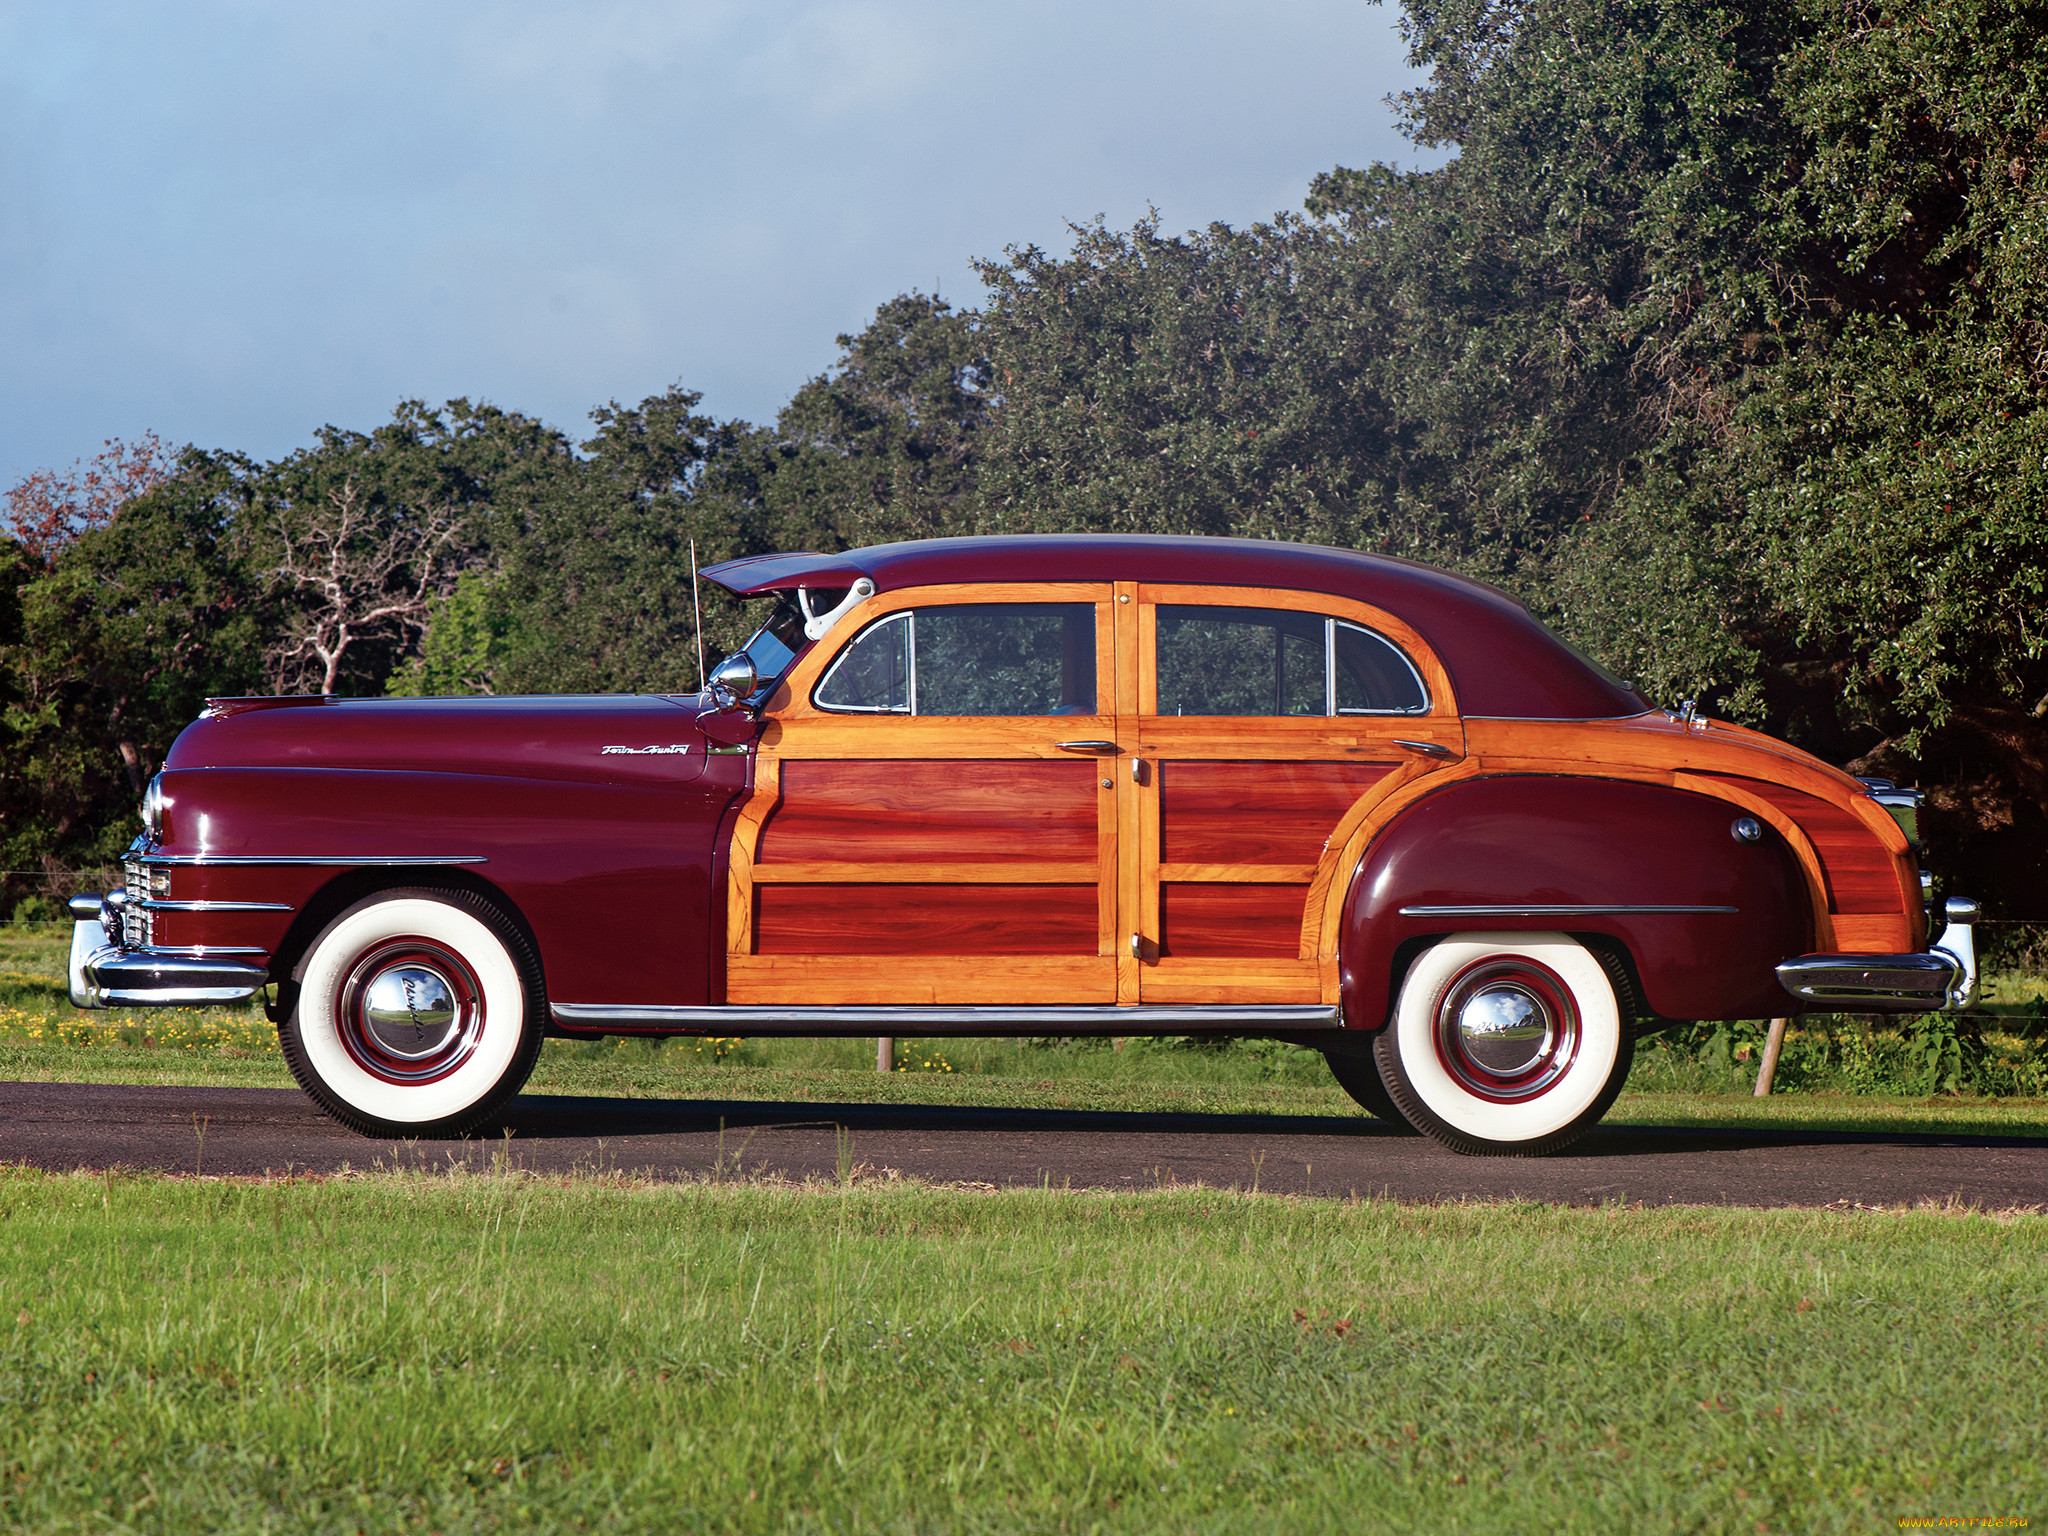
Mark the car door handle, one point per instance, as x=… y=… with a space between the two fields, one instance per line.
x=1426 y=748
x=1086 y=746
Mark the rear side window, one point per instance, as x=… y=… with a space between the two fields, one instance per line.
x=971 y=660
x=1277 y=662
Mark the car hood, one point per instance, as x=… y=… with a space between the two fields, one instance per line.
x=629 y=738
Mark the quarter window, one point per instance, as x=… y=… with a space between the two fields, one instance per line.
x=1277 y=662
x=974 y=659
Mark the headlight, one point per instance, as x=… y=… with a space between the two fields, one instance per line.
x=153 y=802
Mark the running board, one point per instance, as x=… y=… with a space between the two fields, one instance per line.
x=1108 y=1019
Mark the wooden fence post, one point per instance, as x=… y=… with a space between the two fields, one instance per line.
x=885 y=1053
x=1768 y=1067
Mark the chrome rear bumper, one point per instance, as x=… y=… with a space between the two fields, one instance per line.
x=105 y=975
x=1944 y=976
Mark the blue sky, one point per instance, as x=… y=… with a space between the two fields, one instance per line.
x=232 y=222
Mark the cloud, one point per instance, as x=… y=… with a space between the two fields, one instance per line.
x=232 y=222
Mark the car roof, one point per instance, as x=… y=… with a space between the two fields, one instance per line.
x=1501 y=661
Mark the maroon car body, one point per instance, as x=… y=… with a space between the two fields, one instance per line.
x=1345 y=775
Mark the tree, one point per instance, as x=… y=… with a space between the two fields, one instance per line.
x=1742 y=314
x=359 y=575
x=111 y=650
x=363 y=534
x=886 y=445
x=46 y=510
x=593 y=582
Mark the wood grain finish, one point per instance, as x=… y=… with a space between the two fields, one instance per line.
x=1238 y=980
x=1890 y=934
x=986 y=812
x=920 y=981
x=925 y=920
x=1256 y=813
x=822 y=872
x=1860 y=872
x=1227 y=824
x=1215 y=920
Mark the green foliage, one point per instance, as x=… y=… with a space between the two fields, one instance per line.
x=466 y=643
x=120 y=638
x=1914 y=1057
x=1217 y=383
x=887 y=445
x=1722 y=339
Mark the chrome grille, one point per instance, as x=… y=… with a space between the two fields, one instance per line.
x=138 y=928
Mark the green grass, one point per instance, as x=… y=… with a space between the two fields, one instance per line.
x=44 y=1039
x=460 y=1354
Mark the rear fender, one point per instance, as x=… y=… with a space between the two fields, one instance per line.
x=1611 y=845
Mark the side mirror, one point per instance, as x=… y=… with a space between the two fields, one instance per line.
x=733 y=682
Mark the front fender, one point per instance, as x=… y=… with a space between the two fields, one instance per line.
x=1605 y=845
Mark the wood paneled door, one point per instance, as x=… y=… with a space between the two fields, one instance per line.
x=1263 y=726
x=933 y=820
x=1070 y=793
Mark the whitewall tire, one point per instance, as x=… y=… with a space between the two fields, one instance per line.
x=418 y=1013
x=1505 y=1044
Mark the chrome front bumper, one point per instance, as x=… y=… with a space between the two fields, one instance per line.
x=1944 y=976
x=104 y=974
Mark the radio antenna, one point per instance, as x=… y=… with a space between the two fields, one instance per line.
x=697 y=608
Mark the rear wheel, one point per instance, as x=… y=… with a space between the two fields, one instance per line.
x=419 y=1012
x=1505 y=1044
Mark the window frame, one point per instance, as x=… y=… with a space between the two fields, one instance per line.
x=1330 y=622
x=908 y=617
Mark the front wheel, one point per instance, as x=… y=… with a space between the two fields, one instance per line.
x=418 y=1013
x=1505 y=1044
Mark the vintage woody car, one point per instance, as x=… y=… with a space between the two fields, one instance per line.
x=1044 y=786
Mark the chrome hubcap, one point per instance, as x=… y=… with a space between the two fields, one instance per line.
x=410 y=1011
x=1507 y=1029
x=1503 y=1030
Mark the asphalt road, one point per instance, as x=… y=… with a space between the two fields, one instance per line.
x=64 y=1126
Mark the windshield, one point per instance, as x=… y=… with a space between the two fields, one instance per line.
x=774 y=645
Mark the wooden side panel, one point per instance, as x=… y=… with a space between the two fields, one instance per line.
x=1235 y=980
x=925 y=920
x=1210 y=919
x=1891 y=934
x=1862 y=874
x=919 y=981
x=961 y=811
x=1256 y=813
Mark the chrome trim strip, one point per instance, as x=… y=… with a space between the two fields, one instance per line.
x=407 y=861
x=1556 y=911
x=218 y=906
x=1104 y=1019
x=199 y=951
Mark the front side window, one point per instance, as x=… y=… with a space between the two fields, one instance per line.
x=1277 y=662
x=972 y=660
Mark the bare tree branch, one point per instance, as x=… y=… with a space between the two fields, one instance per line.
x=366 y=573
